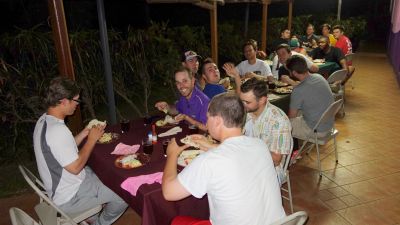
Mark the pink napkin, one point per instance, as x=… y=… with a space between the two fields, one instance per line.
x=123 y=149
x=132 y=184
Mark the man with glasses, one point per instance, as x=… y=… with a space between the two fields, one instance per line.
x=62 y=167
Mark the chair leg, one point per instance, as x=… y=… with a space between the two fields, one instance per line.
x=289 y=191
x=318 y=157
x=336 y=152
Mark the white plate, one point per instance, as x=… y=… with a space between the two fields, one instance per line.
x=188 y=154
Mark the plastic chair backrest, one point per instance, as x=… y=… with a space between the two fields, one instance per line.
x=19 y=217
x=339 y=75
x=329 y=113
x=32 y=181
x=297 y=218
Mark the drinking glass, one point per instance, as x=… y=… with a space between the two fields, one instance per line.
x=125 y=125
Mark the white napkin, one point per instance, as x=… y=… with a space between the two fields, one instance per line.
x=171 y=131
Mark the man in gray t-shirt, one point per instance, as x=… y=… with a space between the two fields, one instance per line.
x=312 y=96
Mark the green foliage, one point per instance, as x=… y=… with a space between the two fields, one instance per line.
x=143 y=61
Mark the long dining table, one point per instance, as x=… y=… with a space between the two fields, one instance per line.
x=149 y=202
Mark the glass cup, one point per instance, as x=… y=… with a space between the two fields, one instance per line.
x=148 y=148
x=147 y=120
x=165 y=146
x=125 y=125
x=271 y=85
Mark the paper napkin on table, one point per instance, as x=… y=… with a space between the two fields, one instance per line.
x=170 y=132
x=123 y=149
x=132 y=184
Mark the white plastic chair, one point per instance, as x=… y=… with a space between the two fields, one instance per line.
x=286 y=179
x=19 y=217
x=297 y=218
x=48 y=212
x=338 y=90
x=312 y=137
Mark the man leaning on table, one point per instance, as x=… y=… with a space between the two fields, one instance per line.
x=266 y=122
x=329 y=53
x=193 y=103
x=312 y=97
x=283 y=52
x=69 y=183
x=238 y=176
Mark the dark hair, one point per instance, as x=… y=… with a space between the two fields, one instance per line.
x=184 y=69
x=251 y=42
x=340 y=27
x=259 y=87
x=296 y=63
x=230 y=108
x=60 y=88
x=205 y=62
x=326 y=25
x=310 y=25
x=283 y=30
x=285 y=46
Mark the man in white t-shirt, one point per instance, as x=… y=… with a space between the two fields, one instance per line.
x=71 y=185
x=283 y=52
x=253 y=67
x=238 y=175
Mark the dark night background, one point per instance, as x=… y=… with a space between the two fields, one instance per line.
x=137 y=13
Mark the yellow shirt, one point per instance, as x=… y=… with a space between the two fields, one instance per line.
x=332 y=40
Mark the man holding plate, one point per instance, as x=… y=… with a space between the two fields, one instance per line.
x=69 y=183
x=235 y=175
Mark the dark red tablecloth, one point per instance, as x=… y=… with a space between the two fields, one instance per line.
x=148 y=202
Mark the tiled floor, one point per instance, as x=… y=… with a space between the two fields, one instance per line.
x=364 y=187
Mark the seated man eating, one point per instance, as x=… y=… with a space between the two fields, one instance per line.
x=238 y=176
x=193 y=103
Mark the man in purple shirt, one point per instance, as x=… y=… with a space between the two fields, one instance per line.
x=192 y=105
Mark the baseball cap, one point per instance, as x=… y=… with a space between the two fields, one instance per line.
x=189 y=55
x=293 y=43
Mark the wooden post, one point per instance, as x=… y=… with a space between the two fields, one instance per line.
x=290 y=14
x=65 y=65
x=214 y=33
x=264 y=25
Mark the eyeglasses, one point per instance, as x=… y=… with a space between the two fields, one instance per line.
x=77 y=101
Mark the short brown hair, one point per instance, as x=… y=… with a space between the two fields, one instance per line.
x=205 y=62
x=183 y=69
x=230 y=108
x=340 y=27
x=285 y=46
x=60 y=88
x=326 y=25
x=251 y=42
x=296 y=63
x=259 y=87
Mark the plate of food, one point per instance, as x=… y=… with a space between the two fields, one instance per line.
x=168 y=121
x=132 y=161
x=187 y=156
x=282 y=90
x=107 y=138
x=280 y=83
